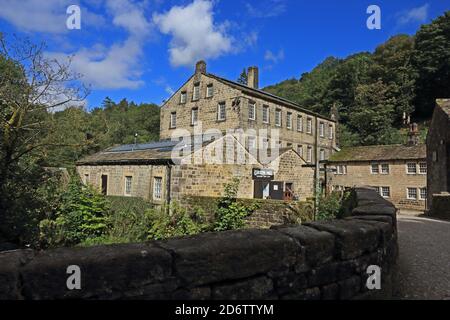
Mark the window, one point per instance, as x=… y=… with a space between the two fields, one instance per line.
x=309 y=155
x=338 y=169
x=300 y=150
x=330 y=132
x=278 y=118
x=411 y=193
x=221 y=112
x=309 y=125
x=374 y=169
x=86 y=178
x=157 y=188
x=209 y=91
x=173 y=120
x=377 y=189
x=344 y=169
x=183 y=97
x=265 y=114
x=128 y=180
x=289 y=120
x=385 y=168
x=423 y=193
x=322 y=154
x=411 y=168
x=423 y=168
x=322 y=129
x=251 y=143
x=385 y=192
x=194 y=116
x=196 y=94
x=299 y=123
x=252 y=111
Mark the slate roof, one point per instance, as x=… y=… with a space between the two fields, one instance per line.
x=266 y=96
x=380 y=153
x=444 y=104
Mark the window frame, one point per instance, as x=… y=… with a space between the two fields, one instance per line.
x=171 y=124
x=278 y=112
x=420 y=193
x=209 y=94
x=183 y=94
x=309 y=157
x=372 y=165
x=407 y=193
x=155 y=189
x=322 y=129
x=194 y=111
x=420 y=167
x=252 y=111
x=289 y=120
x=127 y=192
x=330 y=132
x=382 y=188
x=219 y=105
x=266 y=112
x=196 y=92
x=381 y=168
x=309 y=125
x=408 y=167
x=299 y=123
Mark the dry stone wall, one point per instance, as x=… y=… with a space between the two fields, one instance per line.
x=317 y=260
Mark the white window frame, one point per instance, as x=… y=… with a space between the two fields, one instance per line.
x=309 y=154
x=196 y=92
x=219 y=111
x=420 y=168
x=209 y=90
x=183 y=97
x=330 y=132
x=381 y=168
x=344 y=169
x=309 y=125
x=322 y=154
x=321 y=129
x=383 y=188
x=372 y=166
x=278 y=117
x=157 y=188
x=289 y=120
x=299 y=123
x=173 y=120
x=408 y=167
x=300 y=150
x=407 y=193
x=252 y=111
x=265 y=114
x=128 y=185
x=420 y=193
x=194 y=111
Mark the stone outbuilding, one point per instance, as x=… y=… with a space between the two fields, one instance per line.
x=438 y=160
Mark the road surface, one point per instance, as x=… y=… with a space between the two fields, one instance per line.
x=424 y=258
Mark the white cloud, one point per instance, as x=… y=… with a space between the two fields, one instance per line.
x=419 y=14
x=274 y=57
x=194 y=34
x=47 y=16
x=266 y=8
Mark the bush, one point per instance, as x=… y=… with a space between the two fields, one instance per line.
x=82 y=214
x=329 y=206
x=231 y=214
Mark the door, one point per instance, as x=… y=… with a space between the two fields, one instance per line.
x=104 y=184
x=260 y=189
x=276 y=190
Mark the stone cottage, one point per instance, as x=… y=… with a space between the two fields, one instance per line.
x=438 y=160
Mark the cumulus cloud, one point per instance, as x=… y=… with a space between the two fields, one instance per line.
x=194 y=34
x=47 y=16
x=274 y=57
x=419 y=14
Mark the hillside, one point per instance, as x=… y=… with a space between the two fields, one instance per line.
x=372 y=91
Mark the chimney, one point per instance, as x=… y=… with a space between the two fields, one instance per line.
x=413 y=134
x=200 y=67
x=253 y=78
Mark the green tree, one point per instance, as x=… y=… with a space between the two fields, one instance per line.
x=243 y=78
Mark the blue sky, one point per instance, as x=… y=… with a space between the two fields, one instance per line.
x=144 y=50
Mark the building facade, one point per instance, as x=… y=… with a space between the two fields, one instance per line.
x=208 y=102
x=438 y=156
x=397 y=172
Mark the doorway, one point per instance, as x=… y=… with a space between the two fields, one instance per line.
x=104 y=184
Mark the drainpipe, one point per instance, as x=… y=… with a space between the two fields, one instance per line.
x=168 y=183
x=316 y=173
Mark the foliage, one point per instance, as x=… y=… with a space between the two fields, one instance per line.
x=329 y=206
x=243 y=77
x=175 y=222
x=80 y=215
x=230 y=213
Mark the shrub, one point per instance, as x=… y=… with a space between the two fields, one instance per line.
x=329 y=206
x=231 y=214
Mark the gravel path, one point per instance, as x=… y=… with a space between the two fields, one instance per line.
x=424 y=258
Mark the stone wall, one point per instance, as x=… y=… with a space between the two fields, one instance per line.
x=440 y=206
x=318 y=260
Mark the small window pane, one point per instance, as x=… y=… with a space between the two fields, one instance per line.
x=221 y=111
x=423 y=193
x=209 y=91
x=128 y=180
x=385 y=168
x=278 y=118
x=299 y=123
x=265 y=114
x=411 y=168
x=374 y=168
x=423 y=167
x=196 y=94
x=252 y=111
x=412 y=193
x=173 y=120
x=386 y=192
x=183 y=97
x=157 y=188
x=289 y=120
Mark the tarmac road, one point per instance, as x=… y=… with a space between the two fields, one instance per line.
x=424 y=258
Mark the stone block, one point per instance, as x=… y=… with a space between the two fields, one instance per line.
x=253 y=289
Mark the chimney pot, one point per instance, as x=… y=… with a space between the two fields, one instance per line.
x=253 y=78
x=200 y=67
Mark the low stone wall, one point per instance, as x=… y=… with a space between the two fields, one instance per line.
x=269 y=212
x=317 y=260
x=440 y=206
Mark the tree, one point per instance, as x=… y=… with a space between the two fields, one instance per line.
x=431 y=62
x=30 y=85
x=243 y=78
